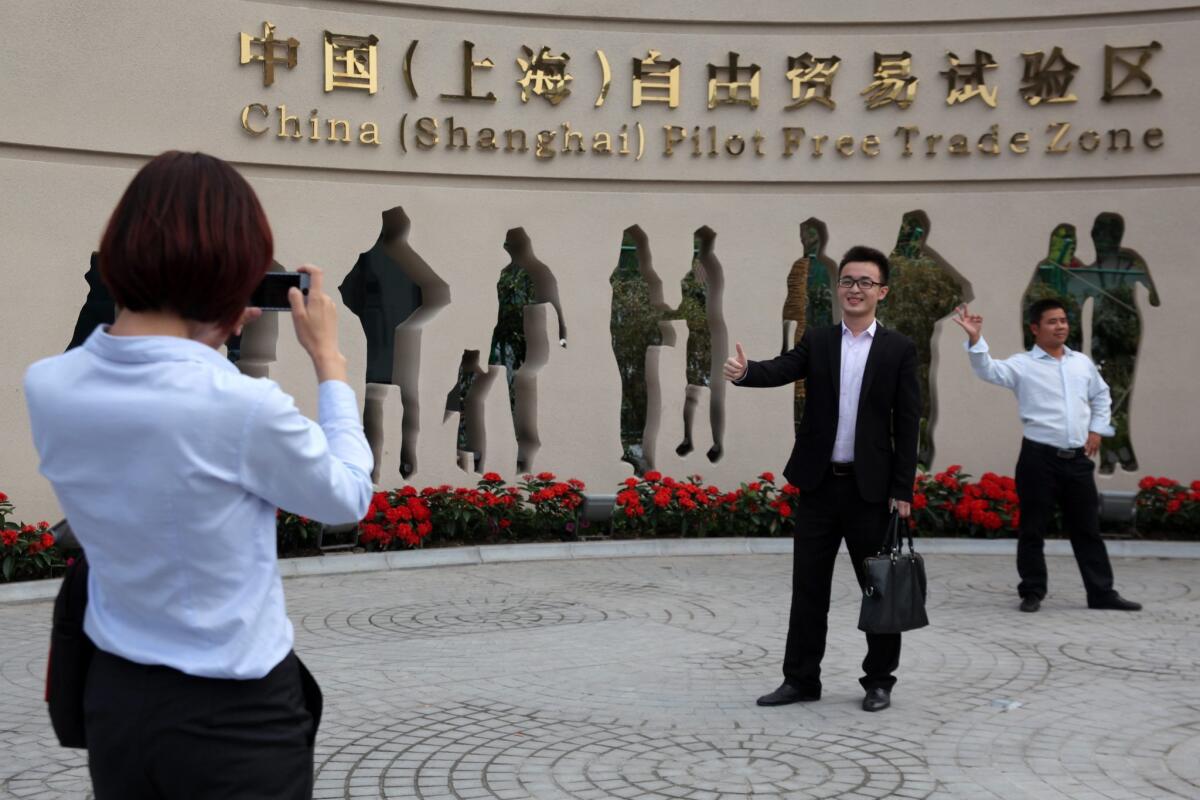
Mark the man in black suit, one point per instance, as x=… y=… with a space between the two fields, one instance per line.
x=854 y=460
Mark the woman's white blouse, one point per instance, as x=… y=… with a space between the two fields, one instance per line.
x=169 y=465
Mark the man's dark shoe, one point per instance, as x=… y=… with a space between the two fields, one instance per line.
x=786 y=693
x=1030 y=603
x=877 y=699
x=1115 y=603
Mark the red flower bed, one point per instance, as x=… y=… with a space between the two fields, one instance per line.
x=541 y=507
x=397 y=517
x=26 y=551
x=660 y=505
x=949 y=504
x=295 y=534
x=1163 y=504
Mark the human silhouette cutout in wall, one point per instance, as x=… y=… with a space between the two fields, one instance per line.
x=516 y=295
x=514 y=290
x=1116 y=326
x=701 y=307
x=98 y=309
x=382 y=295
x=1059 y=276
x=456 y=403
x=526 y=280
x=633 y=326
x=925 y=290
x=809 y=301
x=1117 y=330
x=819 y=308
x=396 y=294
x=637 y=309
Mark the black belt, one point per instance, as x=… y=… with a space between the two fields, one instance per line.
x=841 y=469
x=1060 y=452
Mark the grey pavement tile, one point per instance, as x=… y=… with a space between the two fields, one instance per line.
x=636 y=678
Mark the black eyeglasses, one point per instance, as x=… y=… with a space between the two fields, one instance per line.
x=866 y=284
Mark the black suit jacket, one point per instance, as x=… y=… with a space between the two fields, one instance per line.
x=889 y=410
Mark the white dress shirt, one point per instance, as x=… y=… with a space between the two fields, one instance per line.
x=855 y=350
x=1059 y=399
x=169 y=465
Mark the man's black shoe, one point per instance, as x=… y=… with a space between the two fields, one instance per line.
x=786 y=693
x=1115 y=603
x=1031 y=603
x=877 y=699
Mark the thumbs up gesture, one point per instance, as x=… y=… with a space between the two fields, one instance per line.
x=735 y=365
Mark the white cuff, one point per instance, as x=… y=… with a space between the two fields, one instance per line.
x=979 y=347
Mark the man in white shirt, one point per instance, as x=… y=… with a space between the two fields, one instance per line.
x=1065 y=408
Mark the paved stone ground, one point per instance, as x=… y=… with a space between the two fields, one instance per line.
x=636 y=678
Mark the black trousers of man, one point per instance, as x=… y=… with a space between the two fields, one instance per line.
x=1049 y=477
x=825 y=515
x=155 y=733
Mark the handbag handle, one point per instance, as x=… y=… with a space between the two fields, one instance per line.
x=893 y=540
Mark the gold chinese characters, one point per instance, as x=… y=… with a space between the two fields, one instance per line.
x=356 y=62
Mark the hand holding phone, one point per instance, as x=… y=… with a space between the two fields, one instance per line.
x=272 y=293
x=314 y=316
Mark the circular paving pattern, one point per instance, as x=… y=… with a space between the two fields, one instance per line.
x=484 y=615
x=636 y=678
x=551 y=759
x=1064 y=584
x=742 y=660
x=1171 y=655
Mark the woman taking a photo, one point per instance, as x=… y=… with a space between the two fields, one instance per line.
x=170 y=465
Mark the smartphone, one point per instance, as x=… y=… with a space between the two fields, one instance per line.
x=272 y=293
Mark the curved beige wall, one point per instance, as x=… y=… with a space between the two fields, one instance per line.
x=90 y=92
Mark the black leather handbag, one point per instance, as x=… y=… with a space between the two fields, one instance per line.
x=71 y=654
x=894 y=586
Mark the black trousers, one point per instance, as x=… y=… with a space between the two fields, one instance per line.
x=826 y=515
x=155 y=733
x=1047 y=477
